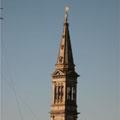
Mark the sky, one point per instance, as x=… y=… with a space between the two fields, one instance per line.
x=31 y=32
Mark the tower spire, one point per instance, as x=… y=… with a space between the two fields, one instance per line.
x=65 y=56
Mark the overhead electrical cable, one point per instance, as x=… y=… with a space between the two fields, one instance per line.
x=18 y=99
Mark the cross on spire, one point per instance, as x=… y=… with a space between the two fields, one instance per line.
x=66 y=13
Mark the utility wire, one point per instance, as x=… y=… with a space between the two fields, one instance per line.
x=29 y=108
x=18 y=100
x=16 y=97
x=1 y=61
x=18 y=104
x=23 y=102
x=3 y=78
x=11 y=84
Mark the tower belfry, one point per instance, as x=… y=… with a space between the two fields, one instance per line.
x=64 y=80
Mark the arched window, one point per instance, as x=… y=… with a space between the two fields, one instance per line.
x=68 y=93
x=61 y=93
x=55 y=93
x=73 y=93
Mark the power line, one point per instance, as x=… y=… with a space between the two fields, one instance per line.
x=18 y=104
x=18 y=99
x=10 y=81
x=1 y=69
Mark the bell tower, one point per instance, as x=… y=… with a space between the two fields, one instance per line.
x=64 y=80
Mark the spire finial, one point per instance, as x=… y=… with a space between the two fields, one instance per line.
x=66 y=13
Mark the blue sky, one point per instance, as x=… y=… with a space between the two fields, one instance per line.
x=31 y=35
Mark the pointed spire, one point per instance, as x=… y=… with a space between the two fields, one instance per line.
x=65 y=56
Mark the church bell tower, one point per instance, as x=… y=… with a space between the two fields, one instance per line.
x=64 y=80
